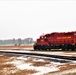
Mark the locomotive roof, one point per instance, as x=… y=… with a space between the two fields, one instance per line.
x=60 y=33
x=67 y=33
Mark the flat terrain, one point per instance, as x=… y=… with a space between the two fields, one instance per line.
x=18 y=64
x=62 y=53
x=16 y=47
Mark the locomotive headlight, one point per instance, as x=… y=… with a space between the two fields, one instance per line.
x=42 y=40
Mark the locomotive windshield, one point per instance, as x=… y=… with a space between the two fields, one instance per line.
x=43 y=37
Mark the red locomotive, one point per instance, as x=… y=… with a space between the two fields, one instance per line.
x=56 y=40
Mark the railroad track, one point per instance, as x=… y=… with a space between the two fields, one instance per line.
x=57 y=58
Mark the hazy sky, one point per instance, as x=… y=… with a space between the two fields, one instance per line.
x=22 y=19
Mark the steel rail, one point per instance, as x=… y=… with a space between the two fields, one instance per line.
x=58 y=58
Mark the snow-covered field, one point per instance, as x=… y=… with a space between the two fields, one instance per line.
x=16 y=64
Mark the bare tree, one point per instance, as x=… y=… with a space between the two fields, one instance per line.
x=19 y=41
x=13 y=41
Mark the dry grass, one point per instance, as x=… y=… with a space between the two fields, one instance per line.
x=70 y=74
x=14 y=71
x=11 y=69
x=15 y=47
x=37 y=63
x=29 y=60
x=2 y=66
x=3 y=59
x=67 y=67
x=64 y=69
x=24 y=72
x=40 y=63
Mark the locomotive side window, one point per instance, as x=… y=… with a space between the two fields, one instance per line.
x=43 y=37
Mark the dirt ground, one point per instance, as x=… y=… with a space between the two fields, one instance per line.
x=15 y=47
x=16 y=64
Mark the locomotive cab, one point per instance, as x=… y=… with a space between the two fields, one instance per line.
x=41 y=43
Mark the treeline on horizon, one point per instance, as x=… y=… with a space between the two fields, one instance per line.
x=17 y=42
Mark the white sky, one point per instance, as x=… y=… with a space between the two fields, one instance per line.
x=22 y=19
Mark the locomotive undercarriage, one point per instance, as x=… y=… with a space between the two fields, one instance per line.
x=63 y=47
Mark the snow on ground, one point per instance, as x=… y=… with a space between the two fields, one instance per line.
x=22 y=58
x=18 y=63
x=44 y=70
x=62 y=53
x=21 y=51
x=43 y=52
